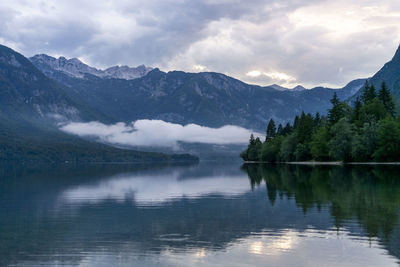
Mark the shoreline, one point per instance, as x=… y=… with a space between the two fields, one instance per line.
x=334 y=163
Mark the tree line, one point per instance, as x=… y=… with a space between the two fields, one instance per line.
x=369 y=130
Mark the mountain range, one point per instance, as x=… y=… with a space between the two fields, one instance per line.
x=38 y=93
x=206 y=98
x=75 y=68
x=30 y=106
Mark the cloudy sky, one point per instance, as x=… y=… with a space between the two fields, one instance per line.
x=289 y=42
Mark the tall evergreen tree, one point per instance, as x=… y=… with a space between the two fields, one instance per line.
x=296 y=122
x=271 y=130
x=305 y=128
x=369 y=93
x=336 y=112
x=287 y=129
x=252 y=140
x=372 y=92
x=317 y=119
x=245 y=155
x=280 y=130
x=356 y=111
x=386 y=98
x=365 y=90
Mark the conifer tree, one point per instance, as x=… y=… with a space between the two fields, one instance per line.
x=280 y=130
x=365 y=92
x=317 y=119
x=271 y=130
x=356 y=111
x=369 y=93
x=245 y=155
x=287 y=129
x=372 y=92
x=336 y=112
x=252 y=140
x=305 y=128
x=296 y=122
x=360 y=133
x=386 y=98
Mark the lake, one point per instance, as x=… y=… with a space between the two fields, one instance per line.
x=210 y=214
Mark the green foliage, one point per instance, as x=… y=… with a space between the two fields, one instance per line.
x=280 y=129
x=296 y=122
x=374 y=110
x=305 y=127
x=302 y=152
x=288 y=148
x=341 y=141
x=319 y=144
x=387 y=99
x=356 y=111
x=365 y=142
x=388 y=141
x=287 y=129
x=369 y=93
x=270 y=150
x=271 y=130
x=366 y=132
x=252 y=153
x=243 y=155
x=317 y=119
x=338 y=111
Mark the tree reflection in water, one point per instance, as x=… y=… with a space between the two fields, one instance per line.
x=368 y=194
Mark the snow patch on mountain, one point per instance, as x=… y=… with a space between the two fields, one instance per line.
x=75 y=68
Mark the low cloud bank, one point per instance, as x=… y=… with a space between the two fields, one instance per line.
x=158 y=133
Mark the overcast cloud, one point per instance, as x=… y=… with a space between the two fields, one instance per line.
x=158 y=133
x=289 y=42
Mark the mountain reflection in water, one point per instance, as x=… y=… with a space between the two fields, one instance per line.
x=207 y=214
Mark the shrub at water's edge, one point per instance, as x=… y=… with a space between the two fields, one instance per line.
x=369 y=130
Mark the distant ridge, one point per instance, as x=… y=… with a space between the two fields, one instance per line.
x=390 y=73
x=206 y=98
x=30 y=105
x=281 y=88
x=76 y=68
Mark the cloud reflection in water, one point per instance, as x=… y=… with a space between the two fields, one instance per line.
x=155 y=189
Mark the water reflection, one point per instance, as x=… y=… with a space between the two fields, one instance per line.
x=368 y=195
x=150 y=189
x=208 y=214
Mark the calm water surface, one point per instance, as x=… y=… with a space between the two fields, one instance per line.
x=206 y=214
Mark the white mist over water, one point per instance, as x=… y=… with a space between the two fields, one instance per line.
x=158 y=133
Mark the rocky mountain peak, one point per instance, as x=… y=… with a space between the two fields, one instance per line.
x=76 y=68
x=298 y=88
